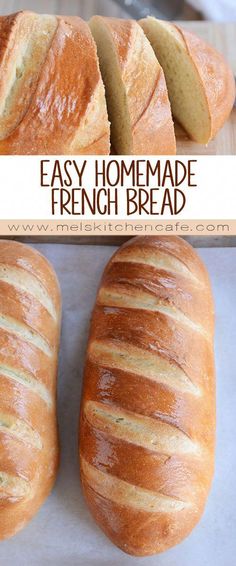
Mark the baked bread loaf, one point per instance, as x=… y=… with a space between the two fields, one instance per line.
x=137 y=100
x=148 y=407
x=200 y=84
x=52 y=98
x=29 y=340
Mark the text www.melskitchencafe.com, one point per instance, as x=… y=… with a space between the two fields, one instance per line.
x=106 y=227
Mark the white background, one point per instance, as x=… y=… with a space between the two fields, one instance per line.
x=21 y=196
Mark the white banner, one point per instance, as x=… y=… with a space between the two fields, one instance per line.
x=136 y=187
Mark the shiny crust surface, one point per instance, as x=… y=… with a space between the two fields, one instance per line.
x=30 y=312
x=66 y=112
x=145 y=86
x=147 y=424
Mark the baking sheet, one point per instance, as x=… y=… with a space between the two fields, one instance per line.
x=63 y=533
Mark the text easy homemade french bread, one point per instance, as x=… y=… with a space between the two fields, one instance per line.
x=29 y=339
x=147 y=423
x=136 y=93
x=52 y=98
x=200 y=84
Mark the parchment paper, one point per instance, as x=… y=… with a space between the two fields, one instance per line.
x=63 y=533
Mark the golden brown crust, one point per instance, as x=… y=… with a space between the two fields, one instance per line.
x=30 y=308
x=148 y=406
x=216 y=76
x=67 y=110
x=146 y=92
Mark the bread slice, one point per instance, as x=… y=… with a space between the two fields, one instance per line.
x=136 y=93
x=52 y=98
x=200 y=84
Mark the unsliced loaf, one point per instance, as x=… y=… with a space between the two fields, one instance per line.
x=137 y=100
x=29 y=339
x=200 y=84
x=52 y=98
x=148 y=408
